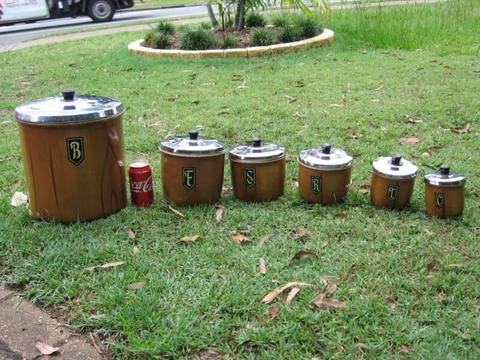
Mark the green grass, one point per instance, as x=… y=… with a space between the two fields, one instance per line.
x=160 y=3
x=394 y=275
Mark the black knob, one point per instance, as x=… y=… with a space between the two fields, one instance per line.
x=68 y=95
x=326 y=148
x=193 y=135
x=396 y=159
x=257 y=143
x=444 y=169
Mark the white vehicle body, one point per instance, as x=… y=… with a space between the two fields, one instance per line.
x=23 y=10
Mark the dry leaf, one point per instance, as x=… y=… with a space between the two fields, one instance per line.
x=224 y=111
x=455 y=266
x=325 y=279
x=291 y=99
x=392 y=304
x=323 y=303
x=106 y=266
x=46 y=349
x=413 y=121
x=189 y=239
x=351 y=131
x=131 y=234
x=405 y=349
x=262 y=266
x=19 y=199
x=330 y=289
x=301 y=233
x=265 y=238
x=303 y=254
x=428 y=231
x=378 y=88
x=364 y=189
x=155 y=124
x=298 y=115
x=226 y=190
x=136 y=286
x=136 y=251
x=273 y=312
x=292 y=294
x=209 y=354
x=267 y=299
x=336 y=105
x=409 y=140
x=219 y=210
x=324 y=244
x=175 y=211
x=462 y=130
x=239 y=238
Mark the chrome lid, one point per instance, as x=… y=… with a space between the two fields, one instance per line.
x=257 y=151
x=444 y=178
x=395 y=168
x=192 y=145
x=68 y=108
x=326 y=158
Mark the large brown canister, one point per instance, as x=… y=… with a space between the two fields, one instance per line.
x=324 y=174
x=73 y=155
x=392 y=184
x=192 y=169
x=258 y=171
x=444 y=193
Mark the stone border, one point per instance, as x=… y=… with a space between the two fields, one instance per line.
x=325 y=38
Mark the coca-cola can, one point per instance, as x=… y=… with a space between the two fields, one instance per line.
x=141 y=186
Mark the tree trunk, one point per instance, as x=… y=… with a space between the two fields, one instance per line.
x=240 y=15
x=211 y=14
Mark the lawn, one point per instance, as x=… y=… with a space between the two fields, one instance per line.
x=410 y=282
x=161 y=3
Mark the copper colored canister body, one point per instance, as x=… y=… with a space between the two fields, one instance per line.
x=75 y=170
x=444 y=193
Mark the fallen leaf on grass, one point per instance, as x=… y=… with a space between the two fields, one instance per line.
x=265 y=238
x=273 y=312
x=378 y=88
x=409 y=140
x=46 y=349
x=239 y=238
x=267 y=299
x=291 y=99
x=226 y=190
x=136 y=286
x=209 y=354
x=262 y=266
x=155 y=124
x=298 y=115
x=364 y=189
x=219 y=210
x=405 y=349
x=173 y=98
x=392 y=304
x=351 y=131
x=303 y=254
x=326 y=279
x=324 y=244
x=413 y=121
x=224 y=111
x=19 y=199
x=292 y=294
x=301 y=233
x=189 y=239
x=330 y=289
x=428 y=232
x=136 y=251
x=336 y=105
x=106 y=266
x=175 y=211
x=462 y=130
x=455 y=266
x=321 y=302
x=131 y=234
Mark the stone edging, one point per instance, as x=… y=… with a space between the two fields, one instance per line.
x=325 y=38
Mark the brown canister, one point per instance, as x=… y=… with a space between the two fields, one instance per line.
x=444 y=193
x=324 y=174
x=258 y=171
x=73 y=155
x=192 y=169
x=392 y=182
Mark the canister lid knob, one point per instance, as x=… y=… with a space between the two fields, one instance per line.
x=326 y=148
x=257 y=143
x=193 y=135
x=68 y=95
x=444 y=169
x=396 y=159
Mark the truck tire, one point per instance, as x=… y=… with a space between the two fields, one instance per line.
x=100 y=10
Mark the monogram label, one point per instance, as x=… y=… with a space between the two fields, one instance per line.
x=250 y=177
x=440 y=200
x=75 y=150
x=316 y=184
x=392 y=191
x=189 y=177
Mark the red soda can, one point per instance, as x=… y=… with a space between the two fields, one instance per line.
x=141 y=187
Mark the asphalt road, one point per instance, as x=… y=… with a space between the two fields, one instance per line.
x=13 y=34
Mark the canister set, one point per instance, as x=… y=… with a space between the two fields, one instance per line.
x=73 y=155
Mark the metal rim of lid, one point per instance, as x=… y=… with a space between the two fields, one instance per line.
x=64 y=109
x=443 y=178
x=342 y=161
x=257 y=152
x=192 y=146
x=395 y=168
x=140 y=163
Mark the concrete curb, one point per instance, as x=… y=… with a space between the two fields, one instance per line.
x=325 y=38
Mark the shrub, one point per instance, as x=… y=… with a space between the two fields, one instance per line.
x=157 y=40
x=290 y=33
x=255 y=19
x=206 y=25
x=198 y=39
x=309 y=27
x=280 y=20
x=229 y=41
x=165 y=28
x=261 y=37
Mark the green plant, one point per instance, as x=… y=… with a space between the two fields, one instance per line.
x=280 y=20
x=290 y=33
x=157 y=40
x=229 y=41
x=261 y=37
x=255 y=19
x=206 y=25
x=308 y=25
x=166 y=28
x=198 y=39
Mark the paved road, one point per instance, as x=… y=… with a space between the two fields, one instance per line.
x=21 y=32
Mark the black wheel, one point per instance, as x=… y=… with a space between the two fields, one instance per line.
x=100 y=10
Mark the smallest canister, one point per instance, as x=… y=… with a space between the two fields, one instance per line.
x=324 y=174
x=392 y=182
x=444 y=193
x=258 y=171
